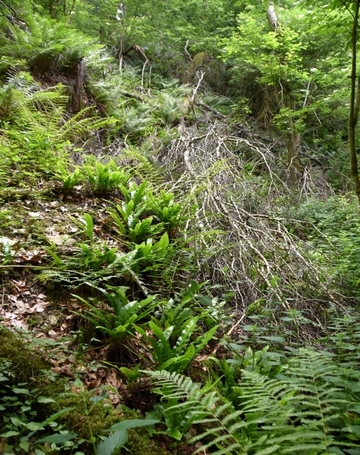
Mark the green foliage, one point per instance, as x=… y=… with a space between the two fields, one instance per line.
x=342 y=341
x=130 y=210
x=179 y=330
x=311 y=407
x=69 y=179
x=24 y=363
x=32 y=144
x=47 y=43
x=131 y=374
x=62 y=97
x=144 y=223
x=119 y=437
x=100 y=429
x=120 y=321
x=22 y=407
x=299 y=69
x=332 y=235
x=112 y=443
x=192 y=21
x=171 y=354
x=98 y=263
x=6 y=252
x=153 y=256
x=187 y=404
x=165 y=209
x=88 y=226
x=128 y=216
x=105 y=178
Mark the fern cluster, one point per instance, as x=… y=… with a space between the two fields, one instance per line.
x=310 y=407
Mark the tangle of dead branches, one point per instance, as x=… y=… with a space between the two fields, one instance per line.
x=234 y=183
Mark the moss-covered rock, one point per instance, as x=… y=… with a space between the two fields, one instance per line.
x=92 y=417
x=140 y=442
x=24 y=362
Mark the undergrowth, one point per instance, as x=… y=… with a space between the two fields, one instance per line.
x=299 y=400
x=190 y=257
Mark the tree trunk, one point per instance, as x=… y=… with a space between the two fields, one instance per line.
x=354 y=104
x=292 y=145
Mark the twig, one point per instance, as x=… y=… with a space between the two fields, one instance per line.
x=211 y=109
x=186 y=50
x=235 y=325
x=195 y=89
x=132 y=95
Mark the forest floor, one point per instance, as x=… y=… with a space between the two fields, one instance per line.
x=46 y=317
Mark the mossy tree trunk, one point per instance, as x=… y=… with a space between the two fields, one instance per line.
x=354 y=103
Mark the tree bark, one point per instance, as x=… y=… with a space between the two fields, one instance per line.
x=354 y=104
x=272 y=18
x=293 y=144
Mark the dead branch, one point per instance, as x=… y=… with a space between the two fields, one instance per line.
x=195 y=89
x=142 y=55
x=132 y=95
x=211 y=109
x=186 y=50
x=255 y=257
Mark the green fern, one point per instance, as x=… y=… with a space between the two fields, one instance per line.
x=189 y=405
x=274 y=423
x=304 y=411
x=171 y=355
x=326 y=396
x=312 y=407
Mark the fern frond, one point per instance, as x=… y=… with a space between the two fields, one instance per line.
x=258 y=392
x=144 y=168
x=81 y=124
x=203 y=407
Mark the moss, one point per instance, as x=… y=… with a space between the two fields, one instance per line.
x=91 y=415
x=94 y=418
x=140 y=442
x=25 y=364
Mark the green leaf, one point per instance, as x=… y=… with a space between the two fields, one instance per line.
x=134 y=423
x=121 y=328
x=276 y=339
x=51 y=419
x=24 y=445
x=174 y=433
x=33 y=426
x=58 y=438
x=21 y=391
x=185 y=335
x=112 y=442
x=8 y=434
x=162 y=245
x=89 y=226
x=17 y=422
x=354 y=429
x=45 y=400
x=162 y=337
x=202 y=340
x=119 y=224
x=180 y=362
